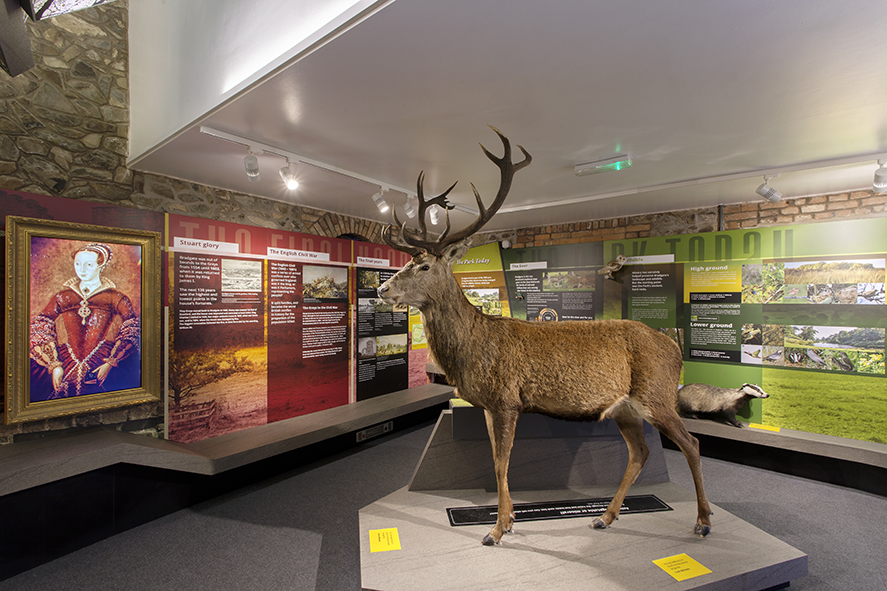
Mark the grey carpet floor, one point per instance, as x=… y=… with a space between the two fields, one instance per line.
x=299 y=531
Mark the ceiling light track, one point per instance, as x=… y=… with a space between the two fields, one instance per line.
x=860 y=159
x=258 y=147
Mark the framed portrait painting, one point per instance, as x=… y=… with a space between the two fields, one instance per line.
x=82 y=318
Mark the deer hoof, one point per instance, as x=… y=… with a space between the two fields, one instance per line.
x=598 y=523
x=702 y=530
x=489 y=541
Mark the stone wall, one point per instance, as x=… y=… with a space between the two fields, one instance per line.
x=64 y=130
x=170 y=195
x=65 y=123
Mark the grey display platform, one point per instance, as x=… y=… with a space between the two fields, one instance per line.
x=562 y=553
x=41 y=461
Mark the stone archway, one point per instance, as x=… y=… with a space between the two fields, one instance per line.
x=339 y=226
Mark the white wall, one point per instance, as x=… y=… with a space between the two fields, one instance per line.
x=187 y=57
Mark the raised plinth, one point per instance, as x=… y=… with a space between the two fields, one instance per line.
x=562 y=553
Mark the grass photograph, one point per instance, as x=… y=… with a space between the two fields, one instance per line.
x=846 y=271
x=851 y=406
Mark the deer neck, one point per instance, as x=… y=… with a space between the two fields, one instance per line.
x=451 y=327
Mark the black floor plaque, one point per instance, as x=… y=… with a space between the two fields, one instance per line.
x=555 y=510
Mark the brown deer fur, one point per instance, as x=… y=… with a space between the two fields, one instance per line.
x=590 y=370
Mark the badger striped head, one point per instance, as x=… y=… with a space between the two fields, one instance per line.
x=753 y=391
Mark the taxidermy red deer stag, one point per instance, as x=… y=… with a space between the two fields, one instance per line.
x=585 y=370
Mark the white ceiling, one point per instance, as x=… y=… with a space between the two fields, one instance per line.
x=692 y=90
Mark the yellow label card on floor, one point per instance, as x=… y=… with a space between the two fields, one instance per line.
x=681 y=567
x=383 y=540
x=763 y=427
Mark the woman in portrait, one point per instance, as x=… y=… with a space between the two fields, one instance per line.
x=102 y=334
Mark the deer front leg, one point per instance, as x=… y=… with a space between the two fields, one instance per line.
x=501 y=425
x=489 y=420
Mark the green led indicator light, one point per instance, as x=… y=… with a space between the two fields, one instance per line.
x=616 y=163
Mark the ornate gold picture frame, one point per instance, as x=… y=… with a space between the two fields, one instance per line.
x=83 y=328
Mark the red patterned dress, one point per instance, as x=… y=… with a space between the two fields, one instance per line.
x=87 y=320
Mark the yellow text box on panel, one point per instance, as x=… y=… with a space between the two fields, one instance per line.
x=383 y=540
x=681 y=567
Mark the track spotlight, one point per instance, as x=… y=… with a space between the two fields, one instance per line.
x=288 y=174
x=432 y=211
x=768 y=192
x=879 y=185
x=251 y=163
x=409 y=209
x=380 y=202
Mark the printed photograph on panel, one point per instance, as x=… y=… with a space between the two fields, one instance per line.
x=241 y=275
x=325 y=283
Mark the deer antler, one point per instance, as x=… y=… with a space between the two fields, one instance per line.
x=388 y=239
x=417 y=244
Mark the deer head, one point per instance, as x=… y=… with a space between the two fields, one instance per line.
x=433 y=259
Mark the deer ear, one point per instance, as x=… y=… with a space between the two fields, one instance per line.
x=456 y=251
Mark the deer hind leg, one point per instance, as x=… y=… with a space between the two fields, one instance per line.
x=501 y=425
x=671 y=426
x=632 y=429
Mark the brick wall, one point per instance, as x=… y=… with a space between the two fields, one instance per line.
x=858 y=204
x=803 y=210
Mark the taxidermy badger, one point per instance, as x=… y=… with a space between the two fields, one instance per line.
x=711 y=402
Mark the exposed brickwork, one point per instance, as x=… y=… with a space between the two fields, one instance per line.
x=858 y=204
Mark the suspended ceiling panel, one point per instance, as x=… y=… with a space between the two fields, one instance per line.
x=693 y=91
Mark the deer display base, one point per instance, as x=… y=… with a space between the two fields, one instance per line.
x=555 y=454
x=562 y=554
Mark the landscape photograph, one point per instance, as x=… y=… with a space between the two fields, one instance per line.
x=485 y=300
x=325 y=283
x=241 y=275
x=844 y=271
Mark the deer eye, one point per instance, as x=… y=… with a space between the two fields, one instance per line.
x=424 y=267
